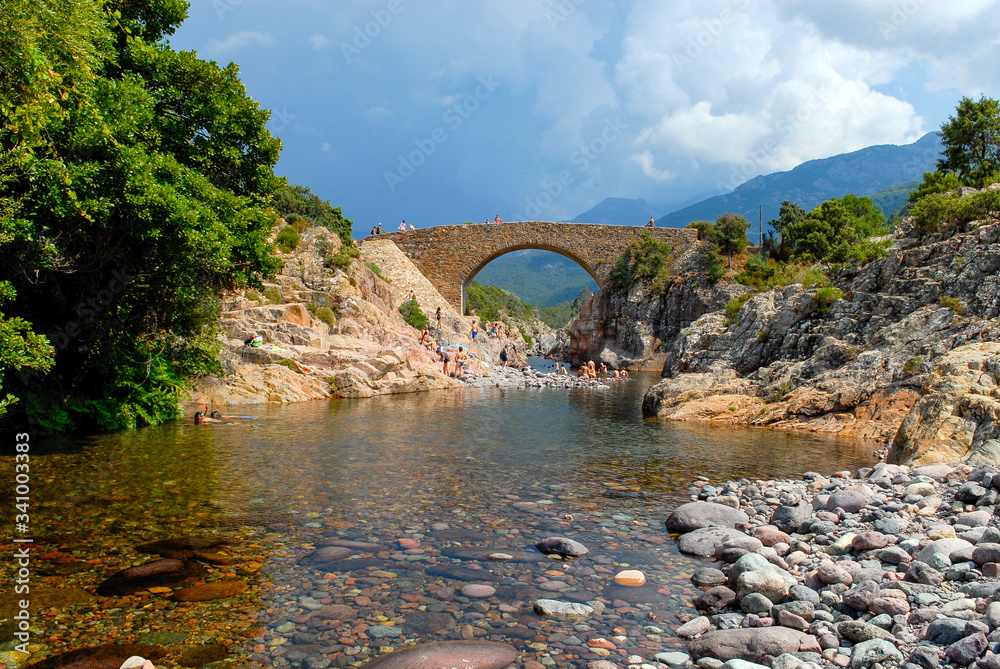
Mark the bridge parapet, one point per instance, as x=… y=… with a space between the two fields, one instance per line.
x=450 y=256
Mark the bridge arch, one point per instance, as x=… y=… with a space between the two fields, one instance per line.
x=450 y=256
x=525 y=247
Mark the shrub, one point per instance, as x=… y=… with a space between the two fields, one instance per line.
x=714 y=261
x=287 y=239
x=733 y=307
x=913 y=366
x=290 y=364
x=343 y=258
x=827 y=296
x=815 y=278
x=704 y=229
x=252 y=295
x=272 y=294
x=944 y=212
x=377 y=270
x=323 y=313
x=412 y=314
x=645 y=257
x=955 y=304
x=762 y=336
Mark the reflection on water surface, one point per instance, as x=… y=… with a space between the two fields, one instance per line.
x=431 y=484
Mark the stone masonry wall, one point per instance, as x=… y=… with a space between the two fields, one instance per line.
x=451 y=255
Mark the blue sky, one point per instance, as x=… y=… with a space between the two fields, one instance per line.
x=457 y=111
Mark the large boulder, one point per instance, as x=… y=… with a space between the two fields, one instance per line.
x=752 y=644
x=789 y=518
x=704 y=541
x=696 y=515
x=958 y=415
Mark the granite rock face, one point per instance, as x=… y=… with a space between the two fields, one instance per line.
x=911 y=348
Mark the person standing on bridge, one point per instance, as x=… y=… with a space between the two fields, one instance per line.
x=402 y=226
x=497 y=219
x=412 y=227
x=652 y=223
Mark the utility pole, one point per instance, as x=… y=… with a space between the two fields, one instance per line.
x=760 y=227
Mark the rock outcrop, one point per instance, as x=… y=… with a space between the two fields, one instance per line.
x=633 y=327
x=911 y=344
x=366 y=350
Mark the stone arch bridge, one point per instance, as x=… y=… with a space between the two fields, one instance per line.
x=450 y=256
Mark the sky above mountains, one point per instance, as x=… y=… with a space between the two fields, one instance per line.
x=540 y=109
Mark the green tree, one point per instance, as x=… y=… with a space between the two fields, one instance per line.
x=297 y=203
x=835 y=231
x=730 y=233
x=135 y=184
x=645 y=257
x=972 y=141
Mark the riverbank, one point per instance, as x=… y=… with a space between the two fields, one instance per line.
x=889 y=567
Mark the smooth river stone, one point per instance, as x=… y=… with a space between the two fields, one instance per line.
x=695 y=515
x=331 y=554
x=562 y=546
x=157 y=573
x=478 y=590
x=108 y=656
x=562 y=610
x=356 y=545
x=752 y=644
x=207 y=591
x=704 y=541
x=448 y=654
x=631 y=577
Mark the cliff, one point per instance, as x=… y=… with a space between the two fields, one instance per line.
x=907 y=356
x=365 y=349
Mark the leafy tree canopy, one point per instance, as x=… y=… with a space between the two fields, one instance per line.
x=135 y=184
x=835 y=231
x=297 y=203
x=730 y=233
x=972 y=141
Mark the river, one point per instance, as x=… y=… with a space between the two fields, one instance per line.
x=436 y=480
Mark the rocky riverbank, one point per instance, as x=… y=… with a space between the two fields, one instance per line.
x=891 y=567
x=532 y=378
x=913 y=341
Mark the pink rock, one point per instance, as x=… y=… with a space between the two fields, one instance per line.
x=409 y=543
x=770 y=535
x=631 y=577
x=866 y=541
x=478 y=590
x=891 y=605
x=553 y=586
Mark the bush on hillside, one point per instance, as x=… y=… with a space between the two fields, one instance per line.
x=288 y=238
x=644 y=258
x=300 y=207
x=413 y=315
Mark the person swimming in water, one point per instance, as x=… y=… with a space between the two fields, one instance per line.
x=200 y=418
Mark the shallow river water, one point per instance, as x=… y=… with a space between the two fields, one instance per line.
x=430 y=483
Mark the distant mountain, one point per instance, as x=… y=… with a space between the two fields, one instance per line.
x=541 y=278
x=619 y=211
x=863 y=172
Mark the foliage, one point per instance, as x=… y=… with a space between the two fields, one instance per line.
x=297 y=204
x=288 y=238
x=343 y=258
x=826 y=296
x=955 y=304
x=645 y=257
x=20 y=348
x=561 y=314
x=835 y=231
x=972 y=141
x=733 y=307
x=412 y=314
x=377 y=271
x=492 y=302
x=936 y=182
x=326 y=315
x=704 y=228
x=134 y=185
x=272 y=295
x=730 y=233
x=714 y=261
x=913 y=366
x=944 y=212
x=290 y=364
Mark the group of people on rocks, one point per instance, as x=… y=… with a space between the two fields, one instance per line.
x=591 y=370
x=377 y=230
x=454 y=362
